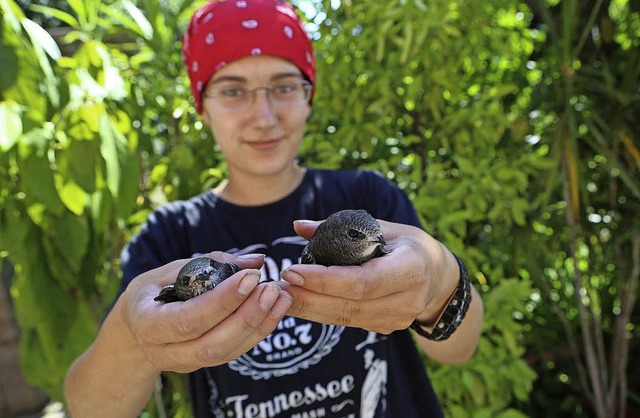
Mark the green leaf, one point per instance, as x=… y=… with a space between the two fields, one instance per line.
x=56 y=13
x=10 y=125
x=101 y=207
x=511 y=413
x=37 y=140
x=43 y=45
x=69 y=235
x=42 y=39
x=38 y=183
x=21 y=74
x=519 y=208
x=72 y=195
x=79 y=8
x=112 y=143
x=144 y=26
x=78 y=163
x=9 y=62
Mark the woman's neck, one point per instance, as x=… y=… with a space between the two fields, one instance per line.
x=249 y=190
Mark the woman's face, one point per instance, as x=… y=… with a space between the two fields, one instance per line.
x=263 y=137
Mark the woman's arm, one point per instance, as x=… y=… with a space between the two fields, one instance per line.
x=414 y=280
x=141 y=337
x=113 y=377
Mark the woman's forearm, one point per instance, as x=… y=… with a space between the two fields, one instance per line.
x=113 y=378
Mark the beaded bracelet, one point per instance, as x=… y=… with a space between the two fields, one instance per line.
x=453 y=314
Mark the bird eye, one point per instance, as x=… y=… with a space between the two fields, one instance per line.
x=354 y=234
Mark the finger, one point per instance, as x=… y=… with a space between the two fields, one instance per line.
x=375 y=278
x=164 y=275
x=183 y=321
x=392 y=231
x=170 y=271
x=244 y=261
x=235 y=335
x=253 y=321
x=305 y=228
x=385 y=314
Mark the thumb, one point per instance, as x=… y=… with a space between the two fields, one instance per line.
x=244 y=261
x=305 y=228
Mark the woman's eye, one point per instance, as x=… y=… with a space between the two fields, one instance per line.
x=232 y=92
x=285 y=88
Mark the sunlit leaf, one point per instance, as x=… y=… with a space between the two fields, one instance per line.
x=72 y=195
x=145 y=28
x=42 y=38
x=10 y=125
x=56 y=13
x=44 y=46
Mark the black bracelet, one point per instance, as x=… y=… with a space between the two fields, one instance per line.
x=453 y=314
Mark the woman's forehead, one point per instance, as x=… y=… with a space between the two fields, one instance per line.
x=258 y=68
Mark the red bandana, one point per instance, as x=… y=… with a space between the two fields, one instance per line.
x=223 y=31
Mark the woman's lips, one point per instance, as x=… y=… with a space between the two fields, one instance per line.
x=264 y=145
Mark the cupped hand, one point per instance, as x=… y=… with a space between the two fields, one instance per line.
x=210 y=329
x=382 y=295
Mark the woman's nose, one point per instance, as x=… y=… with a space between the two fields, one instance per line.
x=263 y=107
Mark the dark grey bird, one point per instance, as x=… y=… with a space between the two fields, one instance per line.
x=345 y=238
x=196 y=277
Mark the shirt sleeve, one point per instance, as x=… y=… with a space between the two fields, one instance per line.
x=159 y=241
x=385 y=200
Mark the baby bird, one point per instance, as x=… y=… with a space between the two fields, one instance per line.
x=345 y=238
x=196 y=277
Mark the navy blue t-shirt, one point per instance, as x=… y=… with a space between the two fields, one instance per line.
x=303 y=368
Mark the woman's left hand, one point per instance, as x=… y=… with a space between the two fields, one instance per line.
x=414 y=280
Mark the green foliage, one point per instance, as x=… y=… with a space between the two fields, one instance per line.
x=89 y=140
x=68 y=157
x=486 y=386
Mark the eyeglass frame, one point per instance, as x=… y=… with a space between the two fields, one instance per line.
x=307 y=88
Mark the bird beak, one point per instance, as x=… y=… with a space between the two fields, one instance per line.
x=201 y=277
x=380 y=240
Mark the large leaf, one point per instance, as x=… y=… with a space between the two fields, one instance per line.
x=10 y=125
x=121 y=167
x=38 y=183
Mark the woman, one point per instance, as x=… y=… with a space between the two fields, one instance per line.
x=277 y=338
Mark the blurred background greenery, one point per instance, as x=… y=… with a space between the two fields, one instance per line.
x=513 y=125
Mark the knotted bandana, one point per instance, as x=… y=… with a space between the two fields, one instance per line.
x=221 y=32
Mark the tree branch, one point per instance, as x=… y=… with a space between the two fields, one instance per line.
x=621 y=339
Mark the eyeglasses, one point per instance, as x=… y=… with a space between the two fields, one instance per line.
x=280 y=93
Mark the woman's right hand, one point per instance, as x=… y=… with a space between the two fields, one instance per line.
x=210 y=329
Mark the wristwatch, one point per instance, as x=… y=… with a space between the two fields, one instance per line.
x=453 y=314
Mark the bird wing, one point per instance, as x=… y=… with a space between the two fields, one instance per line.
x=307 y=257
x=227 y=270
x=167 y=294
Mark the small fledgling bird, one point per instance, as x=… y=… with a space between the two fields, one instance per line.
x=196 y=277
x=345 y=238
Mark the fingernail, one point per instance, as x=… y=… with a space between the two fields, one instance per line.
x=292 y=277
x=269 y=296
x=250 y=256
x=282 y=305
x=305 y=222
x=249 y=282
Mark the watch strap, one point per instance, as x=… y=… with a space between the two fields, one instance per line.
x=454 y=312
